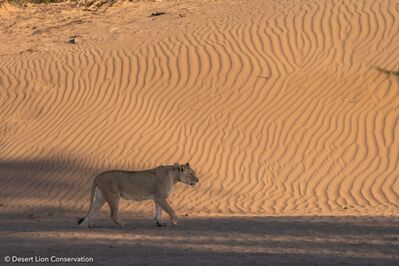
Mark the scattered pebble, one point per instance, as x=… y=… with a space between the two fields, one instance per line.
x=71 y=40
x=157 y=13
x=37 y=31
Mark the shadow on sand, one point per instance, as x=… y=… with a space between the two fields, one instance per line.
x=215 y=241
x=209 y=241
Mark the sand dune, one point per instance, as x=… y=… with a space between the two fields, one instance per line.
x=277 y=104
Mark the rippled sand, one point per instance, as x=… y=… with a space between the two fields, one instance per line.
x=280 y=107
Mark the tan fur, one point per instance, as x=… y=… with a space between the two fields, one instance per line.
x=155 y=184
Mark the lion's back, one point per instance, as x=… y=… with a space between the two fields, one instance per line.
x=137 y=185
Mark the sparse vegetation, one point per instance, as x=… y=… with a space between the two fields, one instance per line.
x=21 y=2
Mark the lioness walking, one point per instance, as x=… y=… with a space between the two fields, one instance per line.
x=155 y=184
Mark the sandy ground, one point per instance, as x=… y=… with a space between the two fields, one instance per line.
x=210 y=241
x=281 y=107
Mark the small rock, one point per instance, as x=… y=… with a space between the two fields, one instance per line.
x=157 y=13
x=71 y=40
x=37 y=31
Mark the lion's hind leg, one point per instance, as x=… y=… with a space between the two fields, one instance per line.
x=158 y=215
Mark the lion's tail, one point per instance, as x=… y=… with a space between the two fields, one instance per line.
x=92 y=191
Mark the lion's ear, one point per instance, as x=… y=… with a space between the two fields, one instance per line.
x=188 y=164
x=179 y=167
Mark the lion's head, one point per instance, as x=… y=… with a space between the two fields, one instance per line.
x=187 y=175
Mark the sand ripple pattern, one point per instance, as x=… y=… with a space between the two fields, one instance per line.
x=279 y=107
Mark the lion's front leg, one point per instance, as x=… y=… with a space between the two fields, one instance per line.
x=168 y=209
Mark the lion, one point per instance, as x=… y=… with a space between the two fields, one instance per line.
x=153 y=184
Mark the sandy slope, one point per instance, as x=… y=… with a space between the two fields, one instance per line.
x=277 y=104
